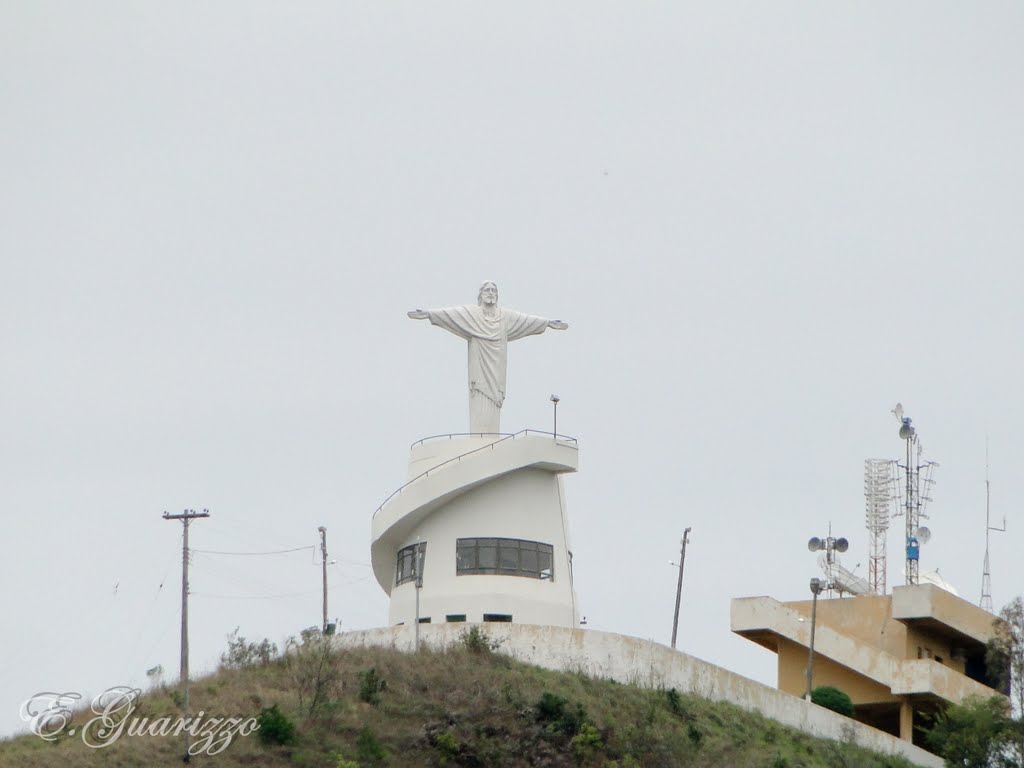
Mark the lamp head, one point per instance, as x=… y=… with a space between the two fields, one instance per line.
x=555 y=398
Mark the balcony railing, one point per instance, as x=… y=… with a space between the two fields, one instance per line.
x=502 y=437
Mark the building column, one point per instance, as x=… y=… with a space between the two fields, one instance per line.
x=906 y=721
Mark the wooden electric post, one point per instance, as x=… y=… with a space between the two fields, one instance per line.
x=185 y=517
x=679 y=585
x=323 y=556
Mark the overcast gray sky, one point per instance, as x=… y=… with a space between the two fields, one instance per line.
x=765 y=223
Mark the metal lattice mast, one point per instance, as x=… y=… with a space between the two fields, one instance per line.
x=916 y=496
x=910 y=503
x=879 y=495
x=986 y=575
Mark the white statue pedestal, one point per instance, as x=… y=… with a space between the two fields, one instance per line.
x=504 y=492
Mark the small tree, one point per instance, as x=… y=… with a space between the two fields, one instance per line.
x=313 y=666
x=241 y=653
x=975 y=734
x=1005 y=659
x=832 y=698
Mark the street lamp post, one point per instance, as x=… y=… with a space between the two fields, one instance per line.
x=419 y=586
x=554 y=401
x=817 y=585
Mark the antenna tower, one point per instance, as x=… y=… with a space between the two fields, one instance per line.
x=916 y=489
x=986 y=575
x=879 y=498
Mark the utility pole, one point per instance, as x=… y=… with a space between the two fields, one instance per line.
x=679 y=585
x=323 y=556
x=185 y=517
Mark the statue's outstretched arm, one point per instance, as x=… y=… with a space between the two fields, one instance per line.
x=557 y=325
x=418 y=314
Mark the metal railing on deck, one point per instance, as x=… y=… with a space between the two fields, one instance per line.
x=503 y=437
x=461 y=434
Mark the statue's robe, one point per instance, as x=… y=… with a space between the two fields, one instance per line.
x=488 y=339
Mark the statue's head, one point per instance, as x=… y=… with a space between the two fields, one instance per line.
x=488 y=294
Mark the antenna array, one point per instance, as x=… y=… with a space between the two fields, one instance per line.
x=879 y=505
x=916 y=490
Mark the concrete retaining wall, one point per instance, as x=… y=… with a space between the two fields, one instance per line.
x=651 y=665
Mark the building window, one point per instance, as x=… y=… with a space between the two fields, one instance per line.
x=506 y=557
x=452 y=618
x=424 y=619
x=406 y=570
x=505 y=617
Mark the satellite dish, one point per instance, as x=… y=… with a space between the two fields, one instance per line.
x=933 y=577
x=906 y=431
x=924 y=534
x=841 y=545
x=814 y=544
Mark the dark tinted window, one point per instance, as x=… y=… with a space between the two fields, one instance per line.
x=508 y=557
x=406 y=568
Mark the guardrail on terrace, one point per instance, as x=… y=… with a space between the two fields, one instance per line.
x=462 y=434
x=489 y=446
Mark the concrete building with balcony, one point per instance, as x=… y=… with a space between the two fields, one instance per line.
x=899 y=657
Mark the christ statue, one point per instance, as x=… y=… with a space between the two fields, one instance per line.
x=488 y=329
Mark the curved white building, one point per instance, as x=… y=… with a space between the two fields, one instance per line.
x=485 y=519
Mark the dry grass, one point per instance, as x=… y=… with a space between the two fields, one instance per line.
x=454 y=708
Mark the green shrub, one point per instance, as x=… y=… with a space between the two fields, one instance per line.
x=586 y=742
x=447 y=745
x=832 y=698
x=276 y=727
x=549 y=708
x=369 y=750
x=694 y=734
x=371 y=684
x=675 y=702
x=559 y=714
x=475 y=640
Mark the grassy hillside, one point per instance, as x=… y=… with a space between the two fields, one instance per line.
x=464 y=707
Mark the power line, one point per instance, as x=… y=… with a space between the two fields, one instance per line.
x=272 y=597
x=256 y=597
x=252 y=534
x=271 y=552
x=145 y=624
